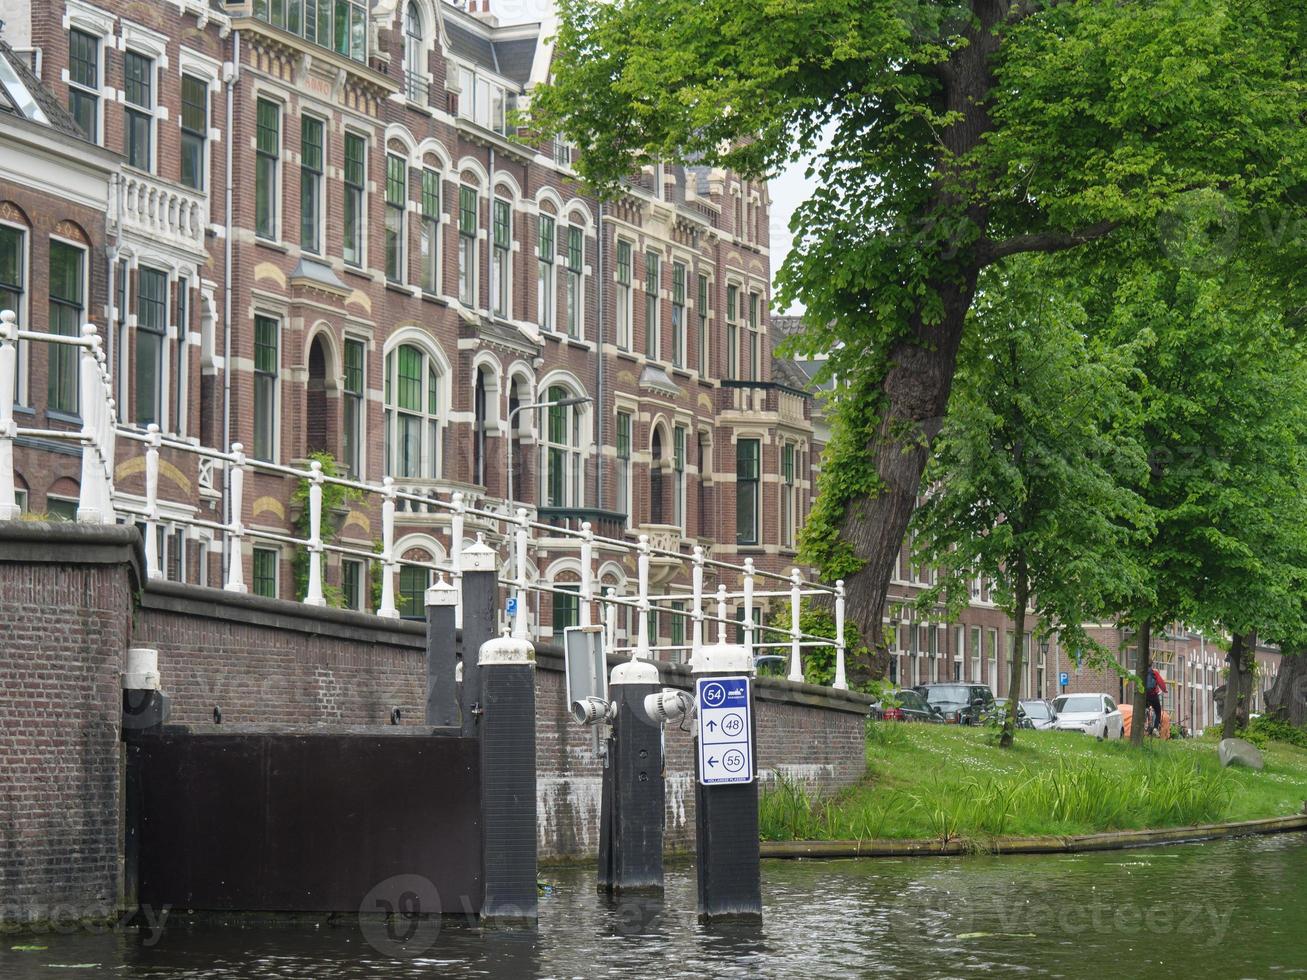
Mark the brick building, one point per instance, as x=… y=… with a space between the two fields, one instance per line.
x=321 y=231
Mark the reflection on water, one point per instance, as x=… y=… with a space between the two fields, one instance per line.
x=1233 y=908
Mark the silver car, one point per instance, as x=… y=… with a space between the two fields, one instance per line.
x=1039 y=713
x=1093 y=714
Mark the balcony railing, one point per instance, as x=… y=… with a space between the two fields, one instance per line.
x=603 y=523
x=160 y=211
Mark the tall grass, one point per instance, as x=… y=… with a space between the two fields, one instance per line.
x=1075 y=795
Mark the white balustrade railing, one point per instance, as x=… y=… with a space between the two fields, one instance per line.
x=518 y=532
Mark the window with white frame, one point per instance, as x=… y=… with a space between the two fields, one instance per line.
x=787 y=495
x=977 y=676
x=13 y=269
x=341 y=25
x=267 y=156
x=678 y=314
x=267 y=365
x=195 y=131
x=732 y=331
x=747 y=490
x=67 y=288
x=311 y=163
x=264 y=580
x=562 y=469
x=678 y=477
x=356 y=170
x=151 y=335
x=84 y=72
x=352 y=577
x=701 y=308
x=502 y=256
x=396 y=209
x=624 y=299
x=415 y=55
x=623 y=468
x=575 y=273
x=413 y=416
x=755 y=340
x=353 y=394
x=482 y=99
x=138 y=102
x=467 y=246
x=429 y=233
x=651 y=328
x=545 y=271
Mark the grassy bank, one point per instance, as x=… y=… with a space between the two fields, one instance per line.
x=945 y=782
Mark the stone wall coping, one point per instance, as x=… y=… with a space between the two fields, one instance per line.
x=246 y=609
x=66 y=543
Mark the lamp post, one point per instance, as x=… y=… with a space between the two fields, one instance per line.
x=508 y=443
x=1043 y=658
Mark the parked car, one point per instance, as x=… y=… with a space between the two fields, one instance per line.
x=1040 y=713
x=1093 y=714
x=960 y=704
x=905 y=705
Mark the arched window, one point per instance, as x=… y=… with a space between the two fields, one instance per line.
x=415 y=68
x=479 y=429
x=413 y=419
x=656 y=478
x=562 y=470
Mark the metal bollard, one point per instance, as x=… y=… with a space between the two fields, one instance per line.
x=633 y=809
x=442 y=655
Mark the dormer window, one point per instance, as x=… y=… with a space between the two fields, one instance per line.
x=415 y=55
x=341 y=25
x=481 y=100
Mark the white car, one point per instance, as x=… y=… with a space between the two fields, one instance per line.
x=1093 y=714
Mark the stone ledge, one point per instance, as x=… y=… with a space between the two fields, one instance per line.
x=246 y=609
x=65 y=543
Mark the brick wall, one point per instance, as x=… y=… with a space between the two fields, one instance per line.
x=66 y=617
x=73 y=605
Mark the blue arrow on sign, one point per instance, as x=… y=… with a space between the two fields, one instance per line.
x=710 y=725
x=712 y=760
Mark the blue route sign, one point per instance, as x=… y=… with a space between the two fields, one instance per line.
x=1064 y=678
x=512 y=606
x=725 y=731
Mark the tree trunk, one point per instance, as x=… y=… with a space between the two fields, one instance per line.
x=1234 y=713
x=1022 y=595
x=1287 y=700
x=1143 y=664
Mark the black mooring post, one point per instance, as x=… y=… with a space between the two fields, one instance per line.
x=480 y=604
x=634 y=792
x=442 y=656
x=508 y=781
x=726 y=817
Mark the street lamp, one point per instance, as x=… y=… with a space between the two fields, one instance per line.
x=508 y=443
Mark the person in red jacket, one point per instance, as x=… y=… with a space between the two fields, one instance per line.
x=1154 y=688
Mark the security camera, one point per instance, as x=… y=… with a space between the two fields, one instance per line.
x=667 y=705
x=590 y=711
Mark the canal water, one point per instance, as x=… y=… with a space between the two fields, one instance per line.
x=1226 y=909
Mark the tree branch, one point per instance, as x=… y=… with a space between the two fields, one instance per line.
x=1044 y=241
x=1025 y=8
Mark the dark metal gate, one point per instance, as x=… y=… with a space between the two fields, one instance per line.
x=302 y=822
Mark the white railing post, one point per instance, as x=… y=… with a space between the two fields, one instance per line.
x=236 y=531
x=456 y=555
x=796 y=602
x=8 y=428
x=748 y=605
x=152 y=566
x=519 y=618
x=841 y=681
x=313 y=595
x=721 y=614
x=696 y=628
x=610 y=618
x=94 y=504
x=105 y=424
x=642 y=602
x=587 y=571
x=388 y=610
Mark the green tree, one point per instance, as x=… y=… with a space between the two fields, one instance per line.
x=948 y=136
x=1224 y=408
x=1032 y=479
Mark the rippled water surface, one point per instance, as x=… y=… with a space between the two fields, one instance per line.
x=1228 y=909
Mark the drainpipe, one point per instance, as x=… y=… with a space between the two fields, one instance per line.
x=230 y=84
x=111 y=328
x=599 y=361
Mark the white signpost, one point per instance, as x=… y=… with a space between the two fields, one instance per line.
x=725 y=731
